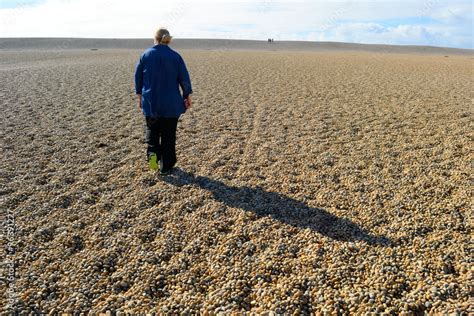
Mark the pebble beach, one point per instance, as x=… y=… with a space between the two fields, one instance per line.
x=308 y=182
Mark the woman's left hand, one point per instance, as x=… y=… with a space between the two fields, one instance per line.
x=139 y=101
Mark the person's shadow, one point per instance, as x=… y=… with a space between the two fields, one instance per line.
x=280 y=207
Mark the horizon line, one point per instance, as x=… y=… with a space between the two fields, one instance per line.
x=239 y=39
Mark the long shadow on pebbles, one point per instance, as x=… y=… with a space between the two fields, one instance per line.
x=280 y=207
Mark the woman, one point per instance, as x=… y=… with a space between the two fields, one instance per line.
x=159 y=74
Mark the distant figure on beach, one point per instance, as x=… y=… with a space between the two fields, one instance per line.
x=159 y=74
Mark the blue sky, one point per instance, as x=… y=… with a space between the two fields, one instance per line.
x=17 y=3
x=406 y=22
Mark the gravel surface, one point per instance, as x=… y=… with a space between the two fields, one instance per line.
x=307 y=182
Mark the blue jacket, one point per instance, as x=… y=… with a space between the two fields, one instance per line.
x=158 y=75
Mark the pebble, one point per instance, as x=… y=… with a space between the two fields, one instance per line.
x=325 y=182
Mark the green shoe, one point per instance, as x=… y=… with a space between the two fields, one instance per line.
x=153 y=161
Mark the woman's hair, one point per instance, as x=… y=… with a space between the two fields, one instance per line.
x=162 y=36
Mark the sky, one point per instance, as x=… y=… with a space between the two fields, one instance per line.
x=447 y=23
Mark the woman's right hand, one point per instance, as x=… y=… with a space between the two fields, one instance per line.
x=188 y=102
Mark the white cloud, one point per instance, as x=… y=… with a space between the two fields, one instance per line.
x=337 y=20
x=375 y=33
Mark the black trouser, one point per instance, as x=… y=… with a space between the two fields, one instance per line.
x=161 y=139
